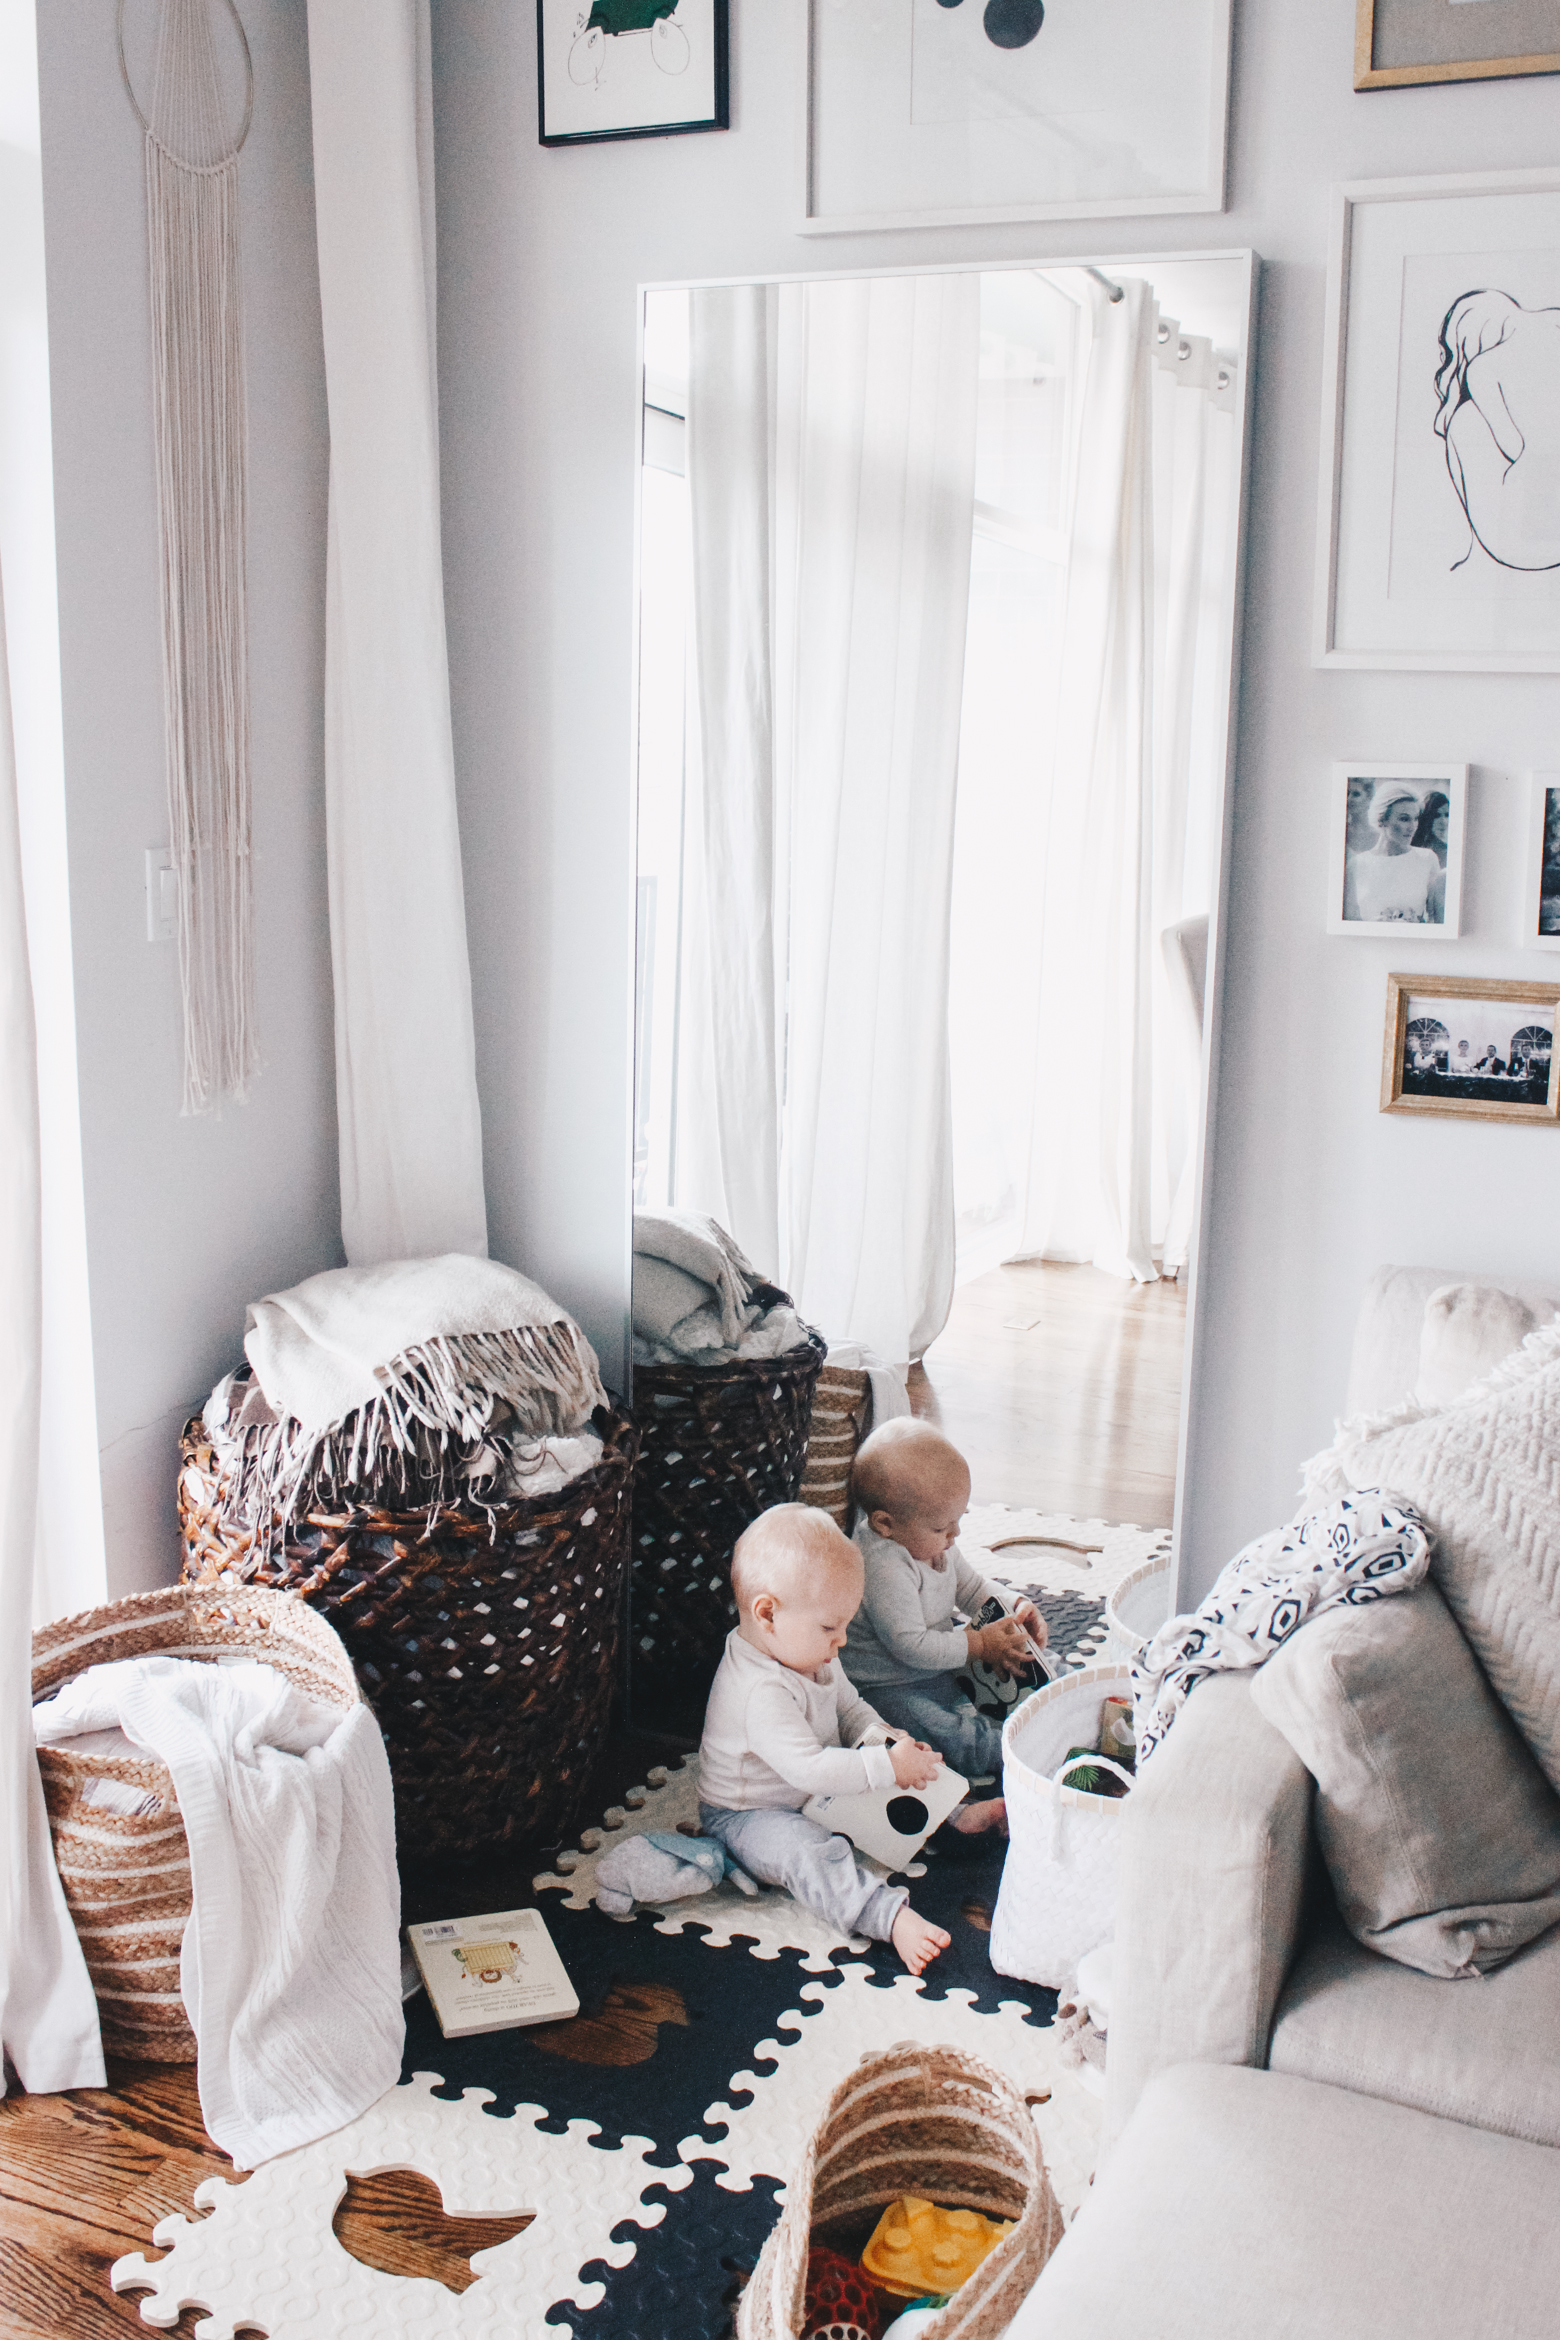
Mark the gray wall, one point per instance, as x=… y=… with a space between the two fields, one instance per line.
x=187 y=1219
x=540 y=253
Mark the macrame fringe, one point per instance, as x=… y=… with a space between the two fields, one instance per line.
x=201 y=426
x=455 y=1414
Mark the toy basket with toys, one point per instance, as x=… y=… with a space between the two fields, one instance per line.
x=931 y=2125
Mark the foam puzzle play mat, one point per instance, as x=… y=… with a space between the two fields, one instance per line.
x=647 y=2141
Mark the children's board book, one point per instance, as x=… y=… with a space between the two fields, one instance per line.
x=492 y=1973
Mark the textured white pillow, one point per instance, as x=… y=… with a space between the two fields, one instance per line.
x=1484 y=1474
x=1467 y=1330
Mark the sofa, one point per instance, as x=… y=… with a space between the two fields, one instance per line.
x=1301 y=2135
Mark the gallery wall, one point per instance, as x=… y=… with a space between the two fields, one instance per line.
x=540 y=255
x=187 y=1219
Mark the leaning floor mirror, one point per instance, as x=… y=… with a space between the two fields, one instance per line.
x=937 y=585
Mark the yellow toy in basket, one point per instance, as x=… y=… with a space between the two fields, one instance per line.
x=917 y=2248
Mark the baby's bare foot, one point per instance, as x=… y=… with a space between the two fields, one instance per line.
x=975 y=1819
x=917 y=1940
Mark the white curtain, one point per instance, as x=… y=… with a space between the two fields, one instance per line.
x=48 y=2015
x=839 y=690
x=727 y=1102
x=406 y=1091
x=1125 y=847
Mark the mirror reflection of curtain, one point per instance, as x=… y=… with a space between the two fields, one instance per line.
x=1078 y=1096
x=830 y=619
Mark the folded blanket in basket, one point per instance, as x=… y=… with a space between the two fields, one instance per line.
x=291 y=1967
x=384 y=1382
x=1358 y=1549
x=693 y=1296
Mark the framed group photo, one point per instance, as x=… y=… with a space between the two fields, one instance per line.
x=1398 y=43
x=1472 y=1047
x=1438 y=542
x=1395 y=849
x=944 y=113
x=631 y=68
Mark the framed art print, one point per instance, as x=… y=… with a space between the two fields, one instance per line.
x=631 y=68
x=1541 y=894
x=1476 y=1048
x=941 y=113
x=1400 y=42
x=1395 y=849
x=1439 y=510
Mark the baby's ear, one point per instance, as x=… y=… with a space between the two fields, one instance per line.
x=882 y=1524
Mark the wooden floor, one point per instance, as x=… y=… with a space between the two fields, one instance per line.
x=1061 y=1385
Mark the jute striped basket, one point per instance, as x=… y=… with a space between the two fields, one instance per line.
x=841 y=1407
x=920 y=2121
x=127 y=1876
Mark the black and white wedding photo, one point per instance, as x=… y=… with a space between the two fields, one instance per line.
x=1477 y=1047
x=1395 y=847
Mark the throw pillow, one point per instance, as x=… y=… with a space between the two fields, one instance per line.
x=1468 y=1329
x=1440 y=1833
x=1484 y=1475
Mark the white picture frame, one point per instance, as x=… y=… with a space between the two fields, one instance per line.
x=889 y=98
x=1542 y=821
x=1386 y=914
x=1419 y=565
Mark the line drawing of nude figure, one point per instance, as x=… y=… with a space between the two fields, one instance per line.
x=1498 y=382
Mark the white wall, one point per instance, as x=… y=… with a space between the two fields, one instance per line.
x=540 y=253
x=186 y=1219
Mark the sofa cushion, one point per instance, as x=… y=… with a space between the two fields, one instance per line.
x=1244 y=2205
x=1482 y=1472
x=1468 y=1330
x=1486 y=2053
x=1440 y=1833
x=1384 y=1362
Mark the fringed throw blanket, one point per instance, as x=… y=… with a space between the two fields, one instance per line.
x=414 y=1383
x=1359 y=1549
x=694 y=1296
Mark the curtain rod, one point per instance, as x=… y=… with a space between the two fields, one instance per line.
x=1117 y=292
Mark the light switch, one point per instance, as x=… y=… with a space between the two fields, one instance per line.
x=162 y=895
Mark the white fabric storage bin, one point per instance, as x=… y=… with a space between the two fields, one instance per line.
x=1138 y=1607
x=1058 y=1895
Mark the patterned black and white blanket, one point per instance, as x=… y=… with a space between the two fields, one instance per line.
x=1361 y=1548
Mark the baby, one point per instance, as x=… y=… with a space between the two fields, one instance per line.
x=779 y=1726
x=911 y=1487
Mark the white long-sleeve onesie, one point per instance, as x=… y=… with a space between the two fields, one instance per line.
x=773 y=1737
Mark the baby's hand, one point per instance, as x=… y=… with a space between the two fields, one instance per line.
x=1033 y=1623
x=1004 y=1645
x=915 y=1764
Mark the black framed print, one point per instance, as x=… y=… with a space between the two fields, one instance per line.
x=631 y=68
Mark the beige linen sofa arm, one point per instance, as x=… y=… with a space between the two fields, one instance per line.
x=1213 y=1866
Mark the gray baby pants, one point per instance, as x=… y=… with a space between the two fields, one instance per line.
x=818 y=1870
x=938 y=1709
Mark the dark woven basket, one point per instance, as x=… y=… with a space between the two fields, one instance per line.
x=488 y=1650
x=718 y=1444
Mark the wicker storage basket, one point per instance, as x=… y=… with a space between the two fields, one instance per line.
x=842 y=1403
x=127 y=1878
x=914 y=2121
x=488 y=1650
x=718 y=1444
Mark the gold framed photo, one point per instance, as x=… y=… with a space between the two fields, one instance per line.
x=1471 y=1046
x=1398 y=43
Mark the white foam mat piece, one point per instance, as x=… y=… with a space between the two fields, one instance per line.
x=1046 y=1558
x=770 y=1920
x=266 y=2255
x=767 y=2136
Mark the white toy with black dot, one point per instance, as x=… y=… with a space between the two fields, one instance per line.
x=890 y=1824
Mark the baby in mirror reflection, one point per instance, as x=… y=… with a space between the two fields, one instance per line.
x=910 y=1638
x=1396 y=852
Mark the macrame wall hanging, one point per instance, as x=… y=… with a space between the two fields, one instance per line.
x=201 y=425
